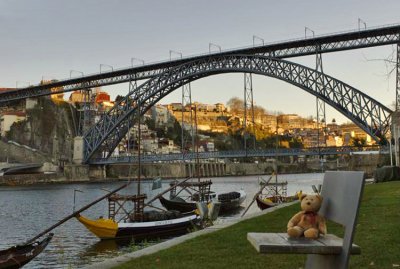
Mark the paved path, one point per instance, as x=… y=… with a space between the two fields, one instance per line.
x=111 y=263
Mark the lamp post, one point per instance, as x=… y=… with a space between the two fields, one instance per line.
x=308 y=29
x=75 y=191
x=360 y=21
x=210 y=45
x=106 y=65
x=259 y=38
x=136 y=59
x=174 y=52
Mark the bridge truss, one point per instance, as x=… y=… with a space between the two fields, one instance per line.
x=302 y=47
x=366 y=112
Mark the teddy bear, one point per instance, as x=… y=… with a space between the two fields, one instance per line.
x=307 y=222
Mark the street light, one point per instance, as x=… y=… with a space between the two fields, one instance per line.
x=210 y=45
x=174 y=52
x=75 y=190
x=112 y=69
x=75 y=71
x=136 y=59
x=259 y=38
x=360 y=21
x=305 y=32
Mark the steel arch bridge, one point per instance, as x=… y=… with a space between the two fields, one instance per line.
x=370 y=115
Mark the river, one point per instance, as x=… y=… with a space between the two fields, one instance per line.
x=27 y=211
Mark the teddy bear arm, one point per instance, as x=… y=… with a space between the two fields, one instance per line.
x=322 y=225
x=294 y=220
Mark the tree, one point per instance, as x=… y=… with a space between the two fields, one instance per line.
x=235 y=105
x=358 y=142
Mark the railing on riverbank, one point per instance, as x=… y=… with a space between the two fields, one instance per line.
x=181 y=157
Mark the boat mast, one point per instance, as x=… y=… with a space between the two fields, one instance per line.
x=139 y=155
x=276 y=157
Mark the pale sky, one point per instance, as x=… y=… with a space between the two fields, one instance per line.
x=49 y=38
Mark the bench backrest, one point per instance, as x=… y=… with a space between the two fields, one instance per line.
x=342 y=192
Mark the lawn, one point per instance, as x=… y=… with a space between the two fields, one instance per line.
x=378 y=235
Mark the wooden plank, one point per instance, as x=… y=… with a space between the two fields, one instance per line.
x=280 y=243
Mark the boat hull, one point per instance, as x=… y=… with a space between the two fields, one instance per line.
x=262 y=204
x=228 y=205
x=108 y=229
x=183 y=207
x=17 y=256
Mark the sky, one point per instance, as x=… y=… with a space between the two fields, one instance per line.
x=53 y=39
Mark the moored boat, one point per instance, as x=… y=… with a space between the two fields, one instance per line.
x=178 y=204
x=229 y=202
x=110 y=229
x=127 y=218
x=264 y=203
x=19 y=255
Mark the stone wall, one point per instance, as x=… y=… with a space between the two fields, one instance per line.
x=20 y=154
x=30 y=179
x=76 y=172
x=367 y=163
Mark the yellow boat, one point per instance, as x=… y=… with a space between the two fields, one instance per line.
x=109 y=229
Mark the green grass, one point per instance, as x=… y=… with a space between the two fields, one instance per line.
x=378 y=235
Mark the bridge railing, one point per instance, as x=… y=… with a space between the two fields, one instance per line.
x=189 y=156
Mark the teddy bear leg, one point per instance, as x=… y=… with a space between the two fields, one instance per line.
x=311 y=233
x=295 y=231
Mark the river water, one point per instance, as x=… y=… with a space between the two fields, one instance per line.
x=27 y=211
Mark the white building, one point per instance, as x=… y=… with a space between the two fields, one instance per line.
x=8 y=118
x=160 y=115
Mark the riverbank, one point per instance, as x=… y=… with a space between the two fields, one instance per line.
x=70 y=173
x=379 y=240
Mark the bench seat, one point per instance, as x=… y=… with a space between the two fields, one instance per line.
x=280 y=243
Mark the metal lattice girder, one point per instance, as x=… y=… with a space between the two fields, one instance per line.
x=187 y=137
x=321 y=116
x=330 y=43
x=241 y=153
x=132 y=87
x=248 y=109
x=366 y=112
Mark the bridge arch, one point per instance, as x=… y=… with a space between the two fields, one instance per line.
x=370 y=115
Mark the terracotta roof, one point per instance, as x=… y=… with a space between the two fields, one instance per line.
x=15 y=113
x=6 y=89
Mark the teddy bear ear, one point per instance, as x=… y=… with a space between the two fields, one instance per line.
x=319 y=197
x=303 y=196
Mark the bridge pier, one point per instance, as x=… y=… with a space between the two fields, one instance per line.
x=77 y=157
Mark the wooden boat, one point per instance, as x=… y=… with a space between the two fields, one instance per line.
x=264 y=203
x=229 y=202
x=110 y=229
x=17 y=256
x=127 y=218
x=178 y=204
x=267 y=202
